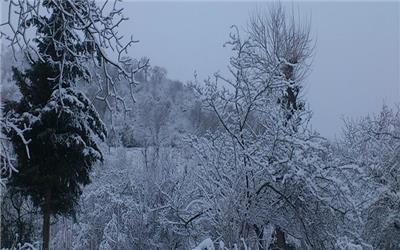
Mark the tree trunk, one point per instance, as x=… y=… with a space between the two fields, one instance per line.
x=280 y=238
x=260 y=236
x=46 y=221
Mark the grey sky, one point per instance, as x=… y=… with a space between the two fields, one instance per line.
x=355 y=69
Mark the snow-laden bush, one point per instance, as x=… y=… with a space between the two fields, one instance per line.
x=344 y=243
x=138 y=200
x=25 y=246
x=371 y=145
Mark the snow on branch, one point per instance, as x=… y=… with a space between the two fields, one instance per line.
x=83 y=34
x=6 y=157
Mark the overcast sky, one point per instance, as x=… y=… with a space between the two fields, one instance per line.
x=355 y=68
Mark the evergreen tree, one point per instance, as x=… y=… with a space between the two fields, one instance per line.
x=63 y=148
x=64 y=127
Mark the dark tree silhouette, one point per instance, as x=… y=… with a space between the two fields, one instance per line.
x=59 y=121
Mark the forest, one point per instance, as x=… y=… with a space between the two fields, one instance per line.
x=102 y=150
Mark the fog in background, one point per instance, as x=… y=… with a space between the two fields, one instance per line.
x=355 y=68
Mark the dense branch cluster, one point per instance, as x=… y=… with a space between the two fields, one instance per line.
x=266 y=167
x=81 y=34
x=7 y=160
x=231 y=161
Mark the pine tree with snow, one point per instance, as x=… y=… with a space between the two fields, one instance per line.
x=59 y=121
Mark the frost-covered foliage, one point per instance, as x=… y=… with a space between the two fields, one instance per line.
x=139 y=199
x=162 y=195
x=59 y=39
x=163 y=113
x=371 y=146
x=145 y=183
x=8 y=92
x=265 y=166
x=206 y=244
x=7 y=158
x=228 y=164
x=77 y=35
x=255 y=172
x=24 y=246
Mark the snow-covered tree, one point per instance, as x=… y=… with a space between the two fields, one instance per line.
x=231 y=161
x=82 y=33
x=264 y=167
x=60 y=122
x=63 y=146
x=371 y=146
